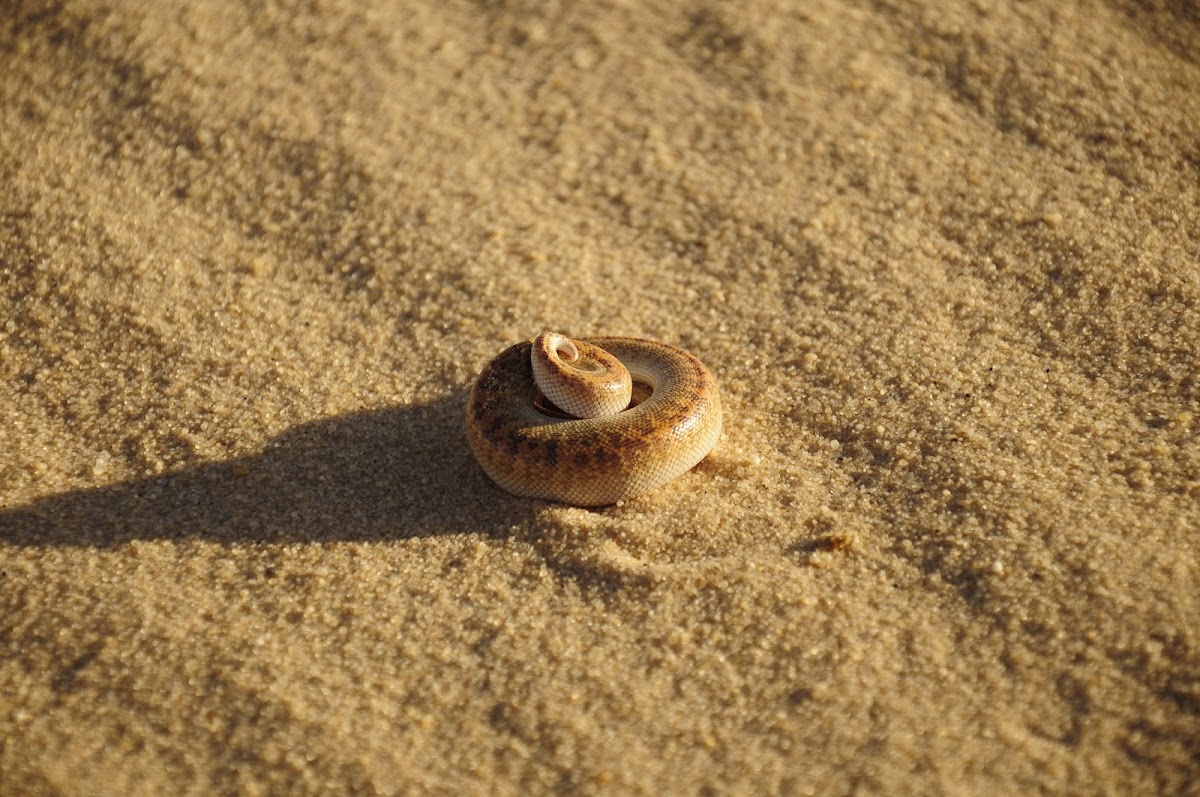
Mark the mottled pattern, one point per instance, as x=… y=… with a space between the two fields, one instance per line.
x=595 y=461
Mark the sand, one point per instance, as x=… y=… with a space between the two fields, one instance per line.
x=943 y=258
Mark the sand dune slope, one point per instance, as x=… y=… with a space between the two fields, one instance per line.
x=942 y=257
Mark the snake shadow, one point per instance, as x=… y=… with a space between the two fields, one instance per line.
x=382 y=475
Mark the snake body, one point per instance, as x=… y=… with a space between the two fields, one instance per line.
x=532 y=448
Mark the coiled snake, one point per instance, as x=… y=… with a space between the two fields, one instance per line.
x=591 y=422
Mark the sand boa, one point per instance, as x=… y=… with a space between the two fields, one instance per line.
x=532 y=447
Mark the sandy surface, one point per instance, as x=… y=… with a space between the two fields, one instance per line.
x=943 y=258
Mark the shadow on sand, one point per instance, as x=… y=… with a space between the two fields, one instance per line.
x=373 y=475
